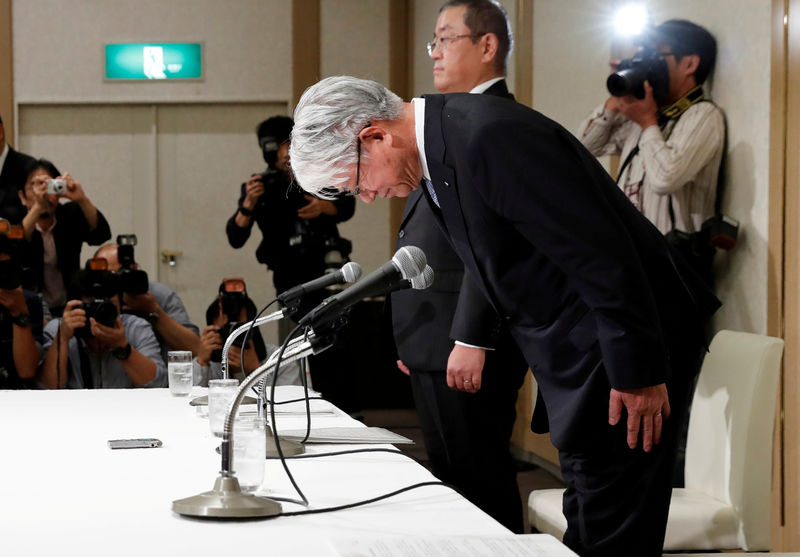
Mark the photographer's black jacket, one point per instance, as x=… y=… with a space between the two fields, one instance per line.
x=293 y=248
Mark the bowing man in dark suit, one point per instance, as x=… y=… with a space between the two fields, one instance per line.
x=12 y=176
x=610 y=321
x=465 y=391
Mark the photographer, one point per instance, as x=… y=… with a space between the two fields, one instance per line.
x=56 y=232
x=20 y=320
x=228 y=311
x=670 y=142
x=298 y=230
x=94 y=347
x=150 y=300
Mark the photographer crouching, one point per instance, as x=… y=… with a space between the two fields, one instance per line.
x=298 y=231
x=92 y=346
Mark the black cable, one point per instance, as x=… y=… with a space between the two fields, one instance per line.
x=272 y=412
x=247 y=334
x=290 y=401
x=373 y=500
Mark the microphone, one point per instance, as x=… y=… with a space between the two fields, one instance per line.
x=350 y=272
x=419 y=282
x=407 y=263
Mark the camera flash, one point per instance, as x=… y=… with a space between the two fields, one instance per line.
x=631 y=19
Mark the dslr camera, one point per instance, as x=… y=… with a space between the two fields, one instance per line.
x=102 y=310
x=131 y=280
x=56 y=186
x=646 y=65
x=11 y=272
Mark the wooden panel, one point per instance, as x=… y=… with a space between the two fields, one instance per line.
x=6 y=70
x=305 y=47
x=523 y=52
x=401 y=70
x=783 y=303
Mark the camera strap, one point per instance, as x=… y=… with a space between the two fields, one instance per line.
x=86 y=367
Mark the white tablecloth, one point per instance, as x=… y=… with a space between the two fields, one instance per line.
x=63 y=491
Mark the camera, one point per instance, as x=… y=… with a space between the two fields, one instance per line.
x=102 y=310
x=132 y=280
x=647 y=65
x=11 y=271
x=56 y=186
x=721 y=231
x=224 y=332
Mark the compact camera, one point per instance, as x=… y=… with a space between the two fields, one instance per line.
x=647 y=65
x=56 y=186
x=102 y=310
x=132 y=280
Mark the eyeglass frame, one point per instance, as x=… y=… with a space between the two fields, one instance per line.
x=439 y=42
x=357 y=191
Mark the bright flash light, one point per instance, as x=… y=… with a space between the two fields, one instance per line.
x=631 y=19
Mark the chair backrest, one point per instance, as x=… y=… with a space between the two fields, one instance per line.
x=729 y=448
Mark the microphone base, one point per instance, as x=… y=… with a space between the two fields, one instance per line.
x=203 y=401
x=226 y=500
x=288 y=448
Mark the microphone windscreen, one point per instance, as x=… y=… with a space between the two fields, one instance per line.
x=351 y=271
x=422 y=280
x=410 y=261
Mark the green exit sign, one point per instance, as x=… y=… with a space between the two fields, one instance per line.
x=154 y=61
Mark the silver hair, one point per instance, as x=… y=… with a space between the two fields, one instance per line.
x=327 y=121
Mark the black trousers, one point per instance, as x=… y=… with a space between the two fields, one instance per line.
x=467 y=435
x=617 y=499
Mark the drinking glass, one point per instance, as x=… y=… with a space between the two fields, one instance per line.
x=220 y=395
x=179 y=370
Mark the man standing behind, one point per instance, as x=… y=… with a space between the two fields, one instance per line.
x=465 y=393
x=12 y=176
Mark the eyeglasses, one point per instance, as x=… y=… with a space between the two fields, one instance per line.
x=441 y=42
x=357 y=191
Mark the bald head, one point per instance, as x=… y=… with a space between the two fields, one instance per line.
x=109 y=252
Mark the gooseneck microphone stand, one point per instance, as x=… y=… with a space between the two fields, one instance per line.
x=226 y=499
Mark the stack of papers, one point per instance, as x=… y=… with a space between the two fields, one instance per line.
x=352 y=435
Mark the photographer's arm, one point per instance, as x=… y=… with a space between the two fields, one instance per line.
x=25 y=350
x=254 y=188
x=140 y=368
x=37 y=210
x=76 y=194
x=176 y=335
x=54 y=371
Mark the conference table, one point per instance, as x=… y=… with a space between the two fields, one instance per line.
x=65 y=491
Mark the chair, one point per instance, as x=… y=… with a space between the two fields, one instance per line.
x=726 y=501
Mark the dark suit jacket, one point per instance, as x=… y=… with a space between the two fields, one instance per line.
x=424 y=321
x=12 y=178
x=589 y=287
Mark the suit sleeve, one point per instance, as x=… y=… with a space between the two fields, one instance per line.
x=237 y=236
x=562 y=202
x=475 y=321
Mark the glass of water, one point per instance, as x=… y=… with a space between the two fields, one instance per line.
x=249 y=451
x=220 y=395
x=179 y=368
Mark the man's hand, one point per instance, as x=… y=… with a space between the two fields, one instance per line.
x=43 y=203
x=403 y=367
x=465 y=367
x=251 y=361
x=315 y=208
x=642 y=111
x=647 y=408
x=74 y=189
x=209 y=341
x=253 y=190
x=112 y=337
x=14 y=301
x=141 y=303
x=73 y=318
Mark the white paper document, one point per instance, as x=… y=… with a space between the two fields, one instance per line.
x=528 y=545
x=354 y=435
